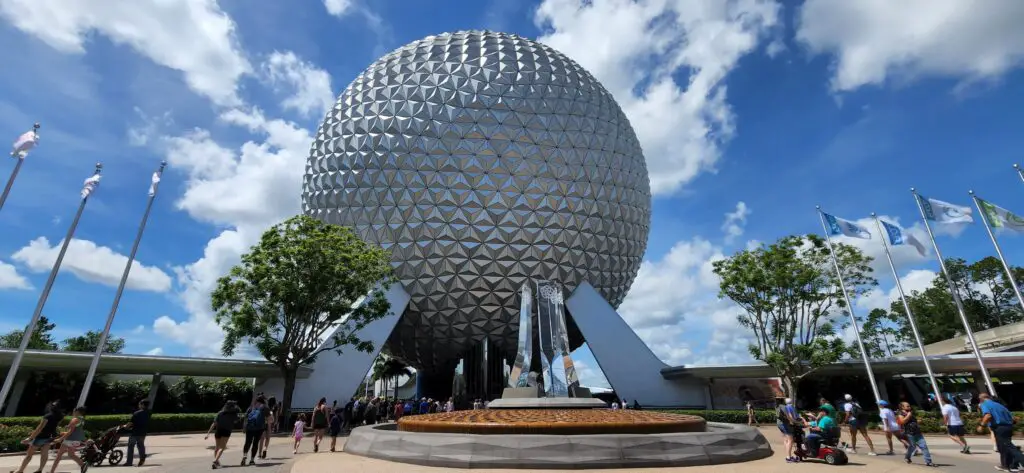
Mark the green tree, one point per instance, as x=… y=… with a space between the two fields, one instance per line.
x=42 y=337
x=388 y=369
x=792 y=302
x=91 y=340
x=882 y=335
x=288 y=295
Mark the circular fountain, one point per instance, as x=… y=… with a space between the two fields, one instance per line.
x=558 y=439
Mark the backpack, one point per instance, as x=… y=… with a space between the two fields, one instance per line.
x=254 y=418
x=855 y=410
x=780 y=413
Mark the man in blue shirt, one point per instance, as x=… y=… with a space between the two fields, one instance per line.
x=999 y=419
x=821 y=429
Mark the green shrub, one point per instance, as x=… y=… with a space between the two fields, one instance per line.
x=930 y=421
x=11 y=437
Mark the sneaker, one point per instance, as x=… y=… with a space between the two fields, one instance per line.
x=790 y=460
x=907 y=460
x=243 y=461
x=263 y=455
x=967 y=450
x=872 y=454
x=890 y=452
x=1002 y=468
x=931 y=464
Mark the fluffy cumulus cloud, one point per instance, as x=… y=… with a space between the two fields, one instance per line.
x=92 y=263
x=915 y=280
x=666 y=65
x=736 y=222
x=309 y=87
x=338 y=7
x=10 y=279
x=876 y=40
x=194 y=37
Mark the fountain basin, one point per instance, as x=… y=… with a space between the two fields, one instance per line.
x=718 y=444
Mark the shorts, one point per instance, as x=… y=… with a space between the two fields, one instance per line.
x=39 y=442
x=855 y=425
x=955 y=430
x=319 y=426
x=334 y=432
x=298 y=437
x=222 y=434
x=785 y=429
x=72 y=444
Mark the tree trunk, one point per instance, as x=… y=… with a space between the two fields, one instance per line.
x=286 y=397
x=789 y=387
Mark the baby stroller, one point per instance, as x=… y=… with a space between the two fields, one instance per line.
x=105 y=448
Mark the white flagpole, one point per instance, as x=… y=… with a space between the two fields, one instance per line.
x=120 y=288
x=955 y=294
x=14 y=175
x=9 y=381
x=1020 y=172
x=849 y=307
x=999 y=251
x=910 y=315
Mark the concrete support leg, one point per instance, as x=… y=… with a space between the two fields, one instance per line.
x=12 y=402
x=882 y=390
x=154 y=387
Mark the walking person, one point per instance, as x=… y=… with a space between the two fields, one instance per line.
x=272 y=404
x=954 y=425
x=139 y=426
x=42 y=437
x=751 y=416
x=72 y=440
x=915 y=437
x=786 y=420
x=221 y=427
x=255 y=424
x=320 y=416
x=890 y=426
x=854 y=414
x=1000 y=421
x=335 y=428
x=297 y=431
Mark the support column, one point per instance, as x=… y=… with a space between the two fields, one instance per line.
x=154 y=387
x=882 y=391
x=12 y=402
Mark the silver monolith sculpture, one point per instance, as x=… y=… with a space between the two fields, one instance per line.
x=558 y=374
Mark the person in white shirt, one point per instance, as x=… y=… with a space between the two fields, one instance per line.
x=890 y=426
x=615 y=405
x=954 y=425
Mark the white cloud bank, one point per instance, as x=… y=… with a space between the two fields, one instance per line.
x=10 y=279
x=92 y=263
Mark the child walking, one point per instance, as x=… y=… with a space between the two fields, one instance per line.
x=300 y=425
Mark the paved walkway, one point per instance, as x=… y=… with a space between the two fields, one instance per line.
x=191 y=454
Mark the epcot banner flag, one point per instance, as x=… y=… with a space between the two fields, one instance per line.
x=838 y=226
x=24 y=144
x=90 y=185
x=897 y=237
x=999 y=217
x=945 y=212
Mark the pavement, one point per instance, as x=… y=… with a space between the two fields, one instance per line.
x=190 y=453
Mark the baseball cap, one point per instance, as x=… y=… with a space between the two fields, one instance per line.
x=883 y=403
x=849 y=397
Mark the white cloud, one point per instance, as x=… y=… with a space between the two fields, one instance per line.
x=876 y=40
x=678 y=293
x=311 y=86
x=589 y=376
x=338 y=7
x=138 y=330
x=194 y=37
x=92 y=263
x=10 y=279
x=735 y=222
x=156 y=351
x=665 y=64
x=877 y=298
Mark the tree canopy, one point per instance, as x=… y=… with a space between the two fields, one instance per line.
x=987 y=297
x=290 y=292
x=792 y=302
x=43 y=339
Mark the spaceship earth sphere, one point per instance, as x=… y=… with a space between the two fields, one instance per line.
x=481 y=161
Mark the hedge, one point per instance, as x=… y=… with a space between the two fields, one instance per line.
x=930 y=421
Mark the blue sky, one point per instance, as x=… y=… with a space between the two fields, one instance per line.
x=750 y=113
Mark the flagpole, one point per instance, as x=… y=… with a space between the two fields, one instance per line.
x=1020 y=172
x=120 y=289
x=14 y=174
x=849 y=306
x=956 y=295
x=906 y=306
x=13 y=371
x=999 y=251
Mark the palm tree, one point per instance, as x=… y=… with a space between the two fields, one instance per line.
x=387 y=369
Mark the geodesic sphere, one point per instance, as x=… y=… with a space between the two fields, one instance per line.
x=481 y=160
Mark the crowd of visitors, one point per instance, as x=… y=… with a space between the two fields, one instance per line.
x=900 y=424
